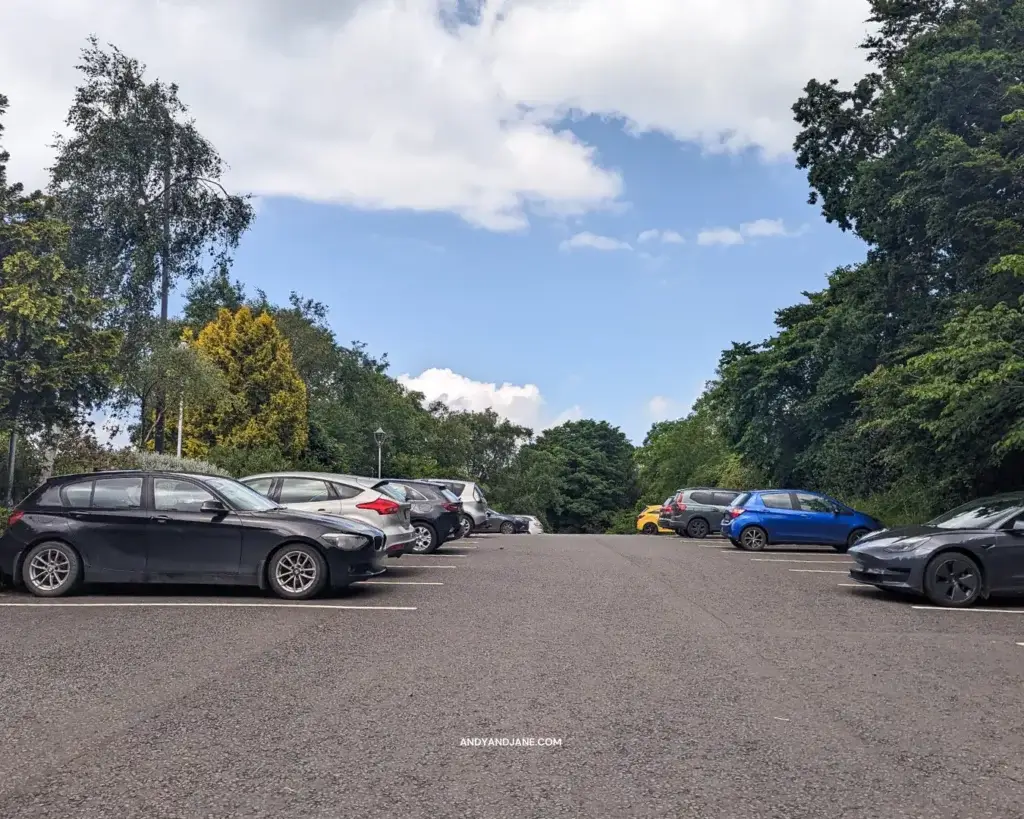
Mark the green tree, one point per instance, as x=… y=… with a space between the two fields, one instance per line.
x=264 y=401
x=54 y=358
x=140 y=188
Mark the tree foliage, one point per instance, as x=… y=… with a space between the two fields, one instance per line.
x=264 y=400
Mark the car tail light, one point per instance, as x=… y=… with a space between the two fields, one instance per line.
x=14 y=518
x=382 y=506
x=451 y=507
x=735 y=513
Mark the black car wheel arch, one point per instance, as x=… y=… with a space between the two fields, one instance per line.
x=954 y=579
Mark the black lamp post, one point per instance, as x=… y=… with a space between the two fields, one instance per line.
x=379 y=437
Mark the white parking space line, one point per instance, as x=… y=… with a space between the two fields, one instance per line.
x=794 y=560
x=1020 y=644
x=400 y=583
x=419 y=566
x=963 y=611
x=819 y=571
x=413 y=554
x=165 y=604
x=446 y=546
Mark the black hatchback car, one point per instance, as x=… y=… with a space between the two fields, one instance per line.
x=168 y=527
x=435 y=514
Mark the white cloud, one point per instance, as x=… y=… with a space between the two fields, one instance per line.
x=385 y=104
x=594 y=242
x=720 y=236
x=658 y=407
x=522 y=404
x=668 y=237
x=758 y=229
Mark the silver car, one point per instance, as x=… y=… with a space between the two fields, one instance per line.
x=474 y=504
x=367 y=499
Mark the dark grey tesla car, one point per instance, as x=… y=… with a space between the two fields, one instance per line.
x=968 y=554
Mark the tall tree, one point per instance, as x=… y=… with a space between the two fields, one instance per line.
x=141 y=189
x=264 y=402
x=54 y=359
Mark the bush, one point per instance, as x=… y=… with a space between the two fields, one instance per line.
x=132 y=459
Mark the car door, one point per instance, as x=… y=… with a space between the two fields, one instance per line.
x=819 y=521
x=1004 y=557
x=186 y=544
x=779 y=517
x=108 y=523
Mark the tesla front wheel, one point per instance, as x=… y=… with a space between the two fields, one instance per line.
x=953 y=580
x=51 y=569
x=297 y=572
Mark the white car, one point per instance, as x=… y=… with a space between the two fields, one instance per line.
x=366 y=499
x=536 y=527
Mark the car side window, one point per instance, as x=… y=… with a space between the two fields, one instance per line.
x=703 y=498
x=725 y=498
x=304 y=490
x=117 y=493
x=261 y=485
x=344 y=491
x=77 y=495
x=813 y=503
x=50 y=497
x=171 y=495
x=777 y=501
x=413 y=494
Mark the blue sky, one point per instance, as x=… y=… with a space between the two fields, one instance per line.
x=605 y=331
x=416 y=174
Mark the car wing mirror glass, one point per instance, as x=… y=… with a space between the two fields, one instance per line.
x=213 y=506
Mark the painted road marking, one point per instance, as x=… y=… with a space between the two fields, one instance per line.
x=818 y=571
x=151 y=604
x=419 y=566
x=400 y=583
x=794 y=560
x=1020 y=644
x=983 y=611
x=414 y=554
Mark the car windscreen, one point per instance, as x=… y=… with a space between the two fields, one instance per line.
x=240 y=496
x=978 y=514
x=741 y=499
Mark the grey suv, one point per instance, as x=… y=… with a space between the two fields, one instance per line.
x=697 y=512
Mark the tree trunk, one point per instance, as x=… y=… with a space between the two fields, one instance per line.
x=49 y=453
x=165 y=287
x=12 y=453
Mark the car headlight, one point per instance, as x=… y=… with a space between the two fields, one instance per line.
x=350 y=543
x=907 y=545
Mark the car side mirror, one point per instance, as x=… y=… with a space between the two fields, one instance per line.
x=214 y=507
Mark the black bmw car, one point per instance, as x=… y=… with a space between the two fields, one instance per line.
x=966 y=555
x=496 y=522
x=164 y=527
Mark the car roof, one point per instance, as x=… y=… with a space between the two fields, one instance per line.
x=320 y=476
x=130 y=473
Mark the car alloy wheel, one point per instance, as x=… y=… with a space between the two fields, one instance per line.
x=466 y=525
x=507 y=528
x=424 y=539
x=50 y=569
x=697 y=528
x=650 y=529
x=297 y=572
x=953 y=580
x=754 y=538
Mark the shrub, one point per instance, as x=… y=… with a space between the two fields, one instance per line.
x=132 y=459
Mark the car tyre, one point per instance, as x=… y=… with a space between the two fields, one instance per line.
x=650 y=529
x=953 y=580
x=753 y=539
x=426 y=541
x=506 y=528
x=736 y=544
x=680 y=532
x=466 y=522
x=51 y=569
x=853 y=537
x=698 y=528
x=297 y=572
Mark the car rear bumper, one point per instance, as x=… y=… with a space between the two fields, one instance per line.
x=400 y=542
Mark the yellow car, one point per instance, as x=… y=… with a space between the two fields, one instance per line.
x=647 y=521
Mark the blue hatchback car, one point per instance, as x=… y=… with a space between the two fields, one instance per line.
x=770 y=517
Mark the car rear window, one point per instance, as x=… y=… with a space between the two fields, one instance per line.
x=393 y=490
x=450 y=496
x=457 y=488
x=777 y=500
x=740 y=499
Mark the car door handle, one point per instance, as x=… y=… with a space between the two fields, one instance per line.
x=161 y=518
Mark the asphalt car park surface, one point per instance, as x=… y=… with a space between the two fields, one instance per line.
x=683 y=678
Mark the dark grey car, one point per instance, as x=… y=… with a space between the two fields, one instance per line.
x=698 y=512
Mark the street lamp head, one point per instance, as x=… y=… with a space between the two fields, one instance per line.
x=379 y=435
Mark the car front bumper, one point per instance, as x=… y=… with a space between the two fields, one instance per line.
x=897 y=570
x=351 y=567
